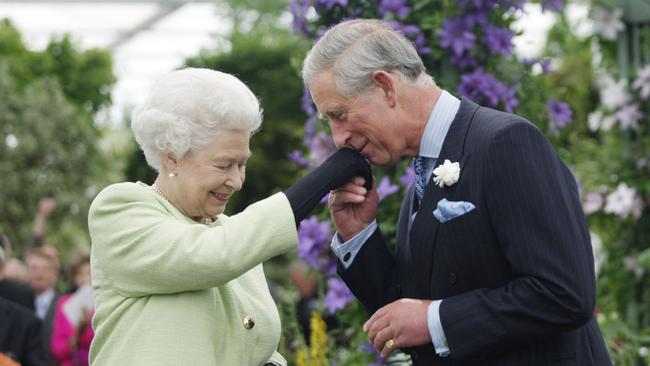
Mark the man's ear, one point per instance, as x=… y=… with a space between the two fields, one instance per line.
x=387 y=83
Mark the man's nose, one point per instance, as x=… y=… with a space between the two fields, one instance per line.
x=340 y=135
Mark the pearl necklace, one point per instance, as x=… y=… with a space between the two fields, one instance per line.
x=206 y=221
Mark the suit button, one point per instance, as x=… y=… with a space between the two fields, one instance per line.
x=249 y=323
x=453 y=278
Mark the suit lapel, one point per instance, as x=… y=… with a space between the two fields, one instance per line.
x=425 y=226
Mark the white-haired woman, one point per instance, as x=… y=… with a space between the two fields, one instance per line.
x=177 y=282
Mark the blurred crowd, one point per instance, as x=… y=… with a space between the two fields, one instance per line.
x=45 y=306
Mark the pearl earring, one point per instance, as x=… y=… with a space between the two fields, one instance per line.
x=172 y=175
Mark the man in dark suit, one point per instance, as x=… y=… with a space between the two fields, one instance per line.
x=12 y=290
x=42 y=271
x=20 y=335
x=493 y=263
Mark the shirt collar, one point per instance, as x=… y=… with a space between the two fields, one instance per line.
x=442 y=115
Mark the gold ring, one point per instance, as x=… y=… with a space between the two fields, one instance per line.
x=390 y=344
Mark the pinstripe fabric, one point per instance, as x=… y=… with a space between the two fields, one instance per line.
x=515 y=274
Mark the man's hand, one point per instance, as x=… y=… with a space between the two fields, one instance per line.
x=46 y=206
x=404 y=321
x=352 y=207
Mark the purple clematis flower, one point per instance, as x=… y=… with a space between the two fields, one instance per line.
x=330 y=3
x=456 y=35
x=560 y=114
x=409 y=176
x=486 y=90
x=499 y=40
x=385 y=188
x=338 y=295
x=313 y=240
x=299 y=9
x=397 y=7
x=297 y=157
x=321 y=146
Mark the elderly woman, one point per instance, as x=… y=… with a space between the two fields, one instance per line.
x=175 y=281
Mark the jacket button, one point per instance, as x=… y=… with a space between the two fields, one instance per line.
x=453 y=278
x=249 y=323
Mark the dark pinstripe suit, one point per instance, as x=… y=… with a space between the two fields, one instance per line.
x=516 y=274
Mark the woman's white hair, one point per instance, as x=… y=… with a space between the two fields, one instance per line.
x=187 y=108
x=354 y=49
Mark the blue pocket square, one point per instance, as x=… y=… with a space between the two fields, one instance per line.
x=448 y=210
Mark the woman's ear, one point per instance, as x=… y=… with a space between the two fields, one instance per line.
x=387 y=82
x=170 y=163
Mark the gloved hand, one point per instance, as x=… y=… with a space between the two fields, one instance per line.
x=339 y=168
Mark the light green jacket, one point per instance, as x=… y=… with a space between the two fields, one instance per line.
x=170 y=291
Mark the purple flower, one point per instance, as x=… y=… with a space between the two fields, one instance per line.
x=546 y=65
x=552 y=5
x=338 y=295
x=484 y=89
x=299 y=9
x=560 y=114
x=297 y=157
x=456 y=35
x=308 y=107
x=313 y=240
x=473 y=18
x=409 y=177
x=398 y=7
x=509 y=98
x=321 y=146
x=330 y=3
x=498 y=40
x=385 y=188
x=463 y=61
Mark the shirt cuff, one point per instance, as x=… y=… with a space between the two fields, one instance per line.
x=435 y=329
x=346 y=252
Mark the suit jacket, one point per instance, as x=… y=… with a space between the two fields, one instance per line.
x=17 y=292
x=20 y=335
x=171 y=291
x=516 y=274
x=48 y=328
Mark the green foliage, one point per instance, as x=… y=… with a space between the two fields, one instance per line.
x=48 y=141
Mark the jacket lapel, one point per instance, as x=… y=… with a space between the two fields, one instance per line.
x=425 y=226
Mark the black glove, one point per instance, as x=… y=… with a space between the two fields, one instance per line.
x=337 y=170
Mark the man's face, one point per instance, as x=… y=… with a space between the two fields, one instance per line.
x=366 y=123
x=41 y=273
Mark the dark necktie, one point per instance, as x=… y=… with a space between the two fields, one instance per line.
x=420 y=167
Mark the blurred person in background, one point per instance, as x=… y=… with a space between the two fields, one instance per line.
x=42 y=275
x=177 y=282
x=20 y=332
x=16 y=270
x=72 y=332
x=10 y=289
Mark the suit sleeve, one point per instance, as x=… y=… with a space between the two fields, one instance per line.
x=142 y=250
x=35 y=353
x=372 y=277
x=533 y=206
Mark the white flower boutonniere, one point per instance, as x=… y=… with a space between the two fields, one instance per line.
x=446 y=174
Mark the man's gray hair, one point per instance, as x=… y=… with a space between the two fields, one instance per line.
x=187 y=108
x=354 y=49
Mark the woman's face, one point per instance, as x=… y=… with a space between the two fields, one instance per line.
x=82 y=275
x=206 y=179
